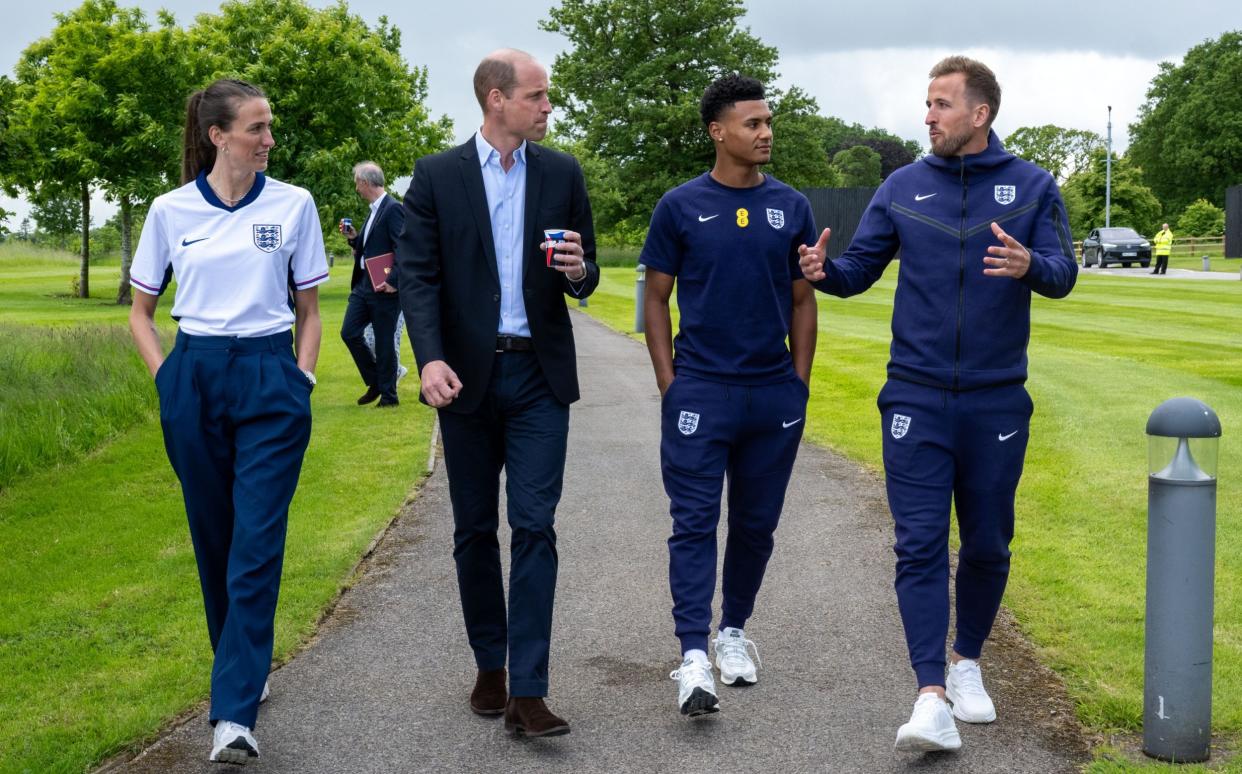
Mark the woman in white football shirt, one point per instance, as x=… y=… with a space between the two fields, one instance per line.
x=234 y=396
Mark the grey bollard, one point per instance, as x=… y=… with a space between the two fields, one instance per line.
x=640 y=286
x=1207 y=263
x=1181 y=548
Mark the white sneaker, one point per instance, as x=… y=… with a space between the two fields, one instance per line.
x=233 y=743
x=696 y=691
x=931 y=727
x=964 y=688
x=267 y=689
x=732 y=659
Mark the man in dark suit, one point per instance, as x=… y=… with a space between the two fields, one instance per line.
x=378 y=307
x=495 y=350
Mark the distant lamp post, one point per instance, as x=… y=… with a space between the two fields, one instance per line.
x=1108 y=171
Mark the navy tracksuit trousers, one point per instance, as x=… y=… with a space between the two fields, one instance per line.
x=236 y=419
x=711 y=431
x=964 y=448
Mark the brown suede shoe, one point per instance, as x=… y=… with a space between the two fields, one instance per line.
x=489 y=694
x=530 y=716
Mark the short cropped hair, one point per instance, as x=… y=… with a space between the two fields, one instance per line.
x=494 y=73
x=981 y=85
x=369 y=172
x=725 y=93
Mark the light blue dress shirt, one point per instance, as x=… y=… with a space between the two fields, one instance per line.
x=506 y=207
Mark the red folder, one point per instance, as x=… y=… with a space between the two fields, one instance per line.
x=378 y=268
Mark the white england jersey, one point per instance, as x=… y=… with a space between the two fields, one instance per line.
x=233 y=265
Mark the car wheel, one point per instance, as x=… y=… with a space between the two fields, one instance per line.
x=1099 y=259
x=1085 y=263
x=1145 y=264
x=1126 y=264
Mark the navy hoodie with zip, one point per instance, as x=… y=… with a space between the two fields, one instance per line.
x=953 y=326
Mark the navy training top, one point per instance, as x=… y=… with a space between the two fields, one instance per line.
x=734 y=252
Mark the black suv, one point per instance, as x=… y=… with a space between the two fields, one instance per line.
x=1115 y=245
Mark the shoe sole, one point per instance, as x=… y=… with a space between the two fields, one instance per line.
x=487 y=713
x=961 y=715
x=700 y=702
x=238 y=756
x=517 y=730
x=919 y=743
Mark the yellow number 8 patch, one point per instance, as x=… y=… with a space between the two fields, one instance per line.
x=743 y=217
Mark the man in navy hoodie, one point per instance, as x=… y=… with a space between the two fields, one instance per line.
x=979 y=230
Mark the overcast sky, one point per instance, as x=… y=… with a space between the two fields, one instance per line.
x=1060 y=61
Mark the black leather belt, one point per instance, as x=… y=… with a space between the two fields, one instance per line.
x=514 y=344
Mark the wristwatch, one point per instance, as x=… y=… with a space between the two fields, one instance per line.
x=310 y=377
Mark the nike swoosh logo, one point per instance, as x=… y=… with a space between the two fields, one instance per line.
x=187 y=243
x=918 y=198
x=709 y=217
x=1004 y=438
x=791 y=424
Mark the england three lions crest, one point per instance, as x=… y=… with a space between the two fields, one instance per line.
x=267 y=237
x=776 y=218
x=1005 y=194
x=901 y=425
x=688 y=422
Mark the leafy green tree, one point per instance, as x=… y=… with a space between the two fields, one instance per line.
x=340 y=93
x=836 y=136
x=798 y=159
x=1133 y=203
x=858 y=167
x=1201 y=218
x=1063 y=152
x=631 y=82
x=97 y=104
x=1188 y=137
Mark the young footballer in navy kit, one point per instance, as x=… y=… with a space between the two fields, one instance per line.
x=234 y=396
x=734 y=396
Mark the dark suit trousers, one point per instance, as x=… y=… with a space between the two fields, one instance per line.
x=520 y=427
x=381 y=311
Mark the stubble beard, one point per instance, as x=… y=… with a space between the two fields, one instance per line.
x=950 y=145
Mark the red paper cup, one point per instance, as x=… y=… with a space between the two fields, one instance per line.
x=551 y=238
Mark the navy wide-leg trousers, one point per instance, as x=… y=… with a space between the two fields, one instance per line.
x=236 y=419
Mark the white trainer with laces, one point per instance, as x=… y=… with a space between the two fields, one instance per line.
x=696 y=690
x=233 y=743
x=931 y=727
x=964 y=688
x=733 y=660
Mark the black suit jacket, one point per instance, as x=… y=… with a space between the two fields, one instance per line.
x=450 y=287
x=383 y=239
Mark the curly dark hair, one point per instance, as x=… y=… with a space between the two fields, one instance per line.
x=725 y=93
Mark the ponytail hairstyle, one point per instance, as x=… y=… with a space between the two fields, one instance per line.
x=215 y=105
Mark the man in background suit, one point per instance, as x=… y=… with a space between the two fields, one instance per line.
x=368 y=305
x=495 y=351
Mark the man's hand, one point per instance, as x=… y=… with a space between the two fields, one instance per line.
x=384 y=287
x=568 y=258
x=440 y=384
x=663 y=381
x=811 y=259
x=349 y=231
x=1009 y=259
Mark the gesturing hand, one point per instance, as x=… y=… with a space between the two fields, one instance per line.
x=1009 y=259
x=811 y=259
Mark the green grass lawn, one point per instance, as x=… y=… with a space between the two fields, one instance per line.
x=102 y=639
x=1101 y=361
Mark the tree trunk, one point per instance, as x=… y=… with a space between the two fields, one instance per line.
x=123 y=293
x=84 y=276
